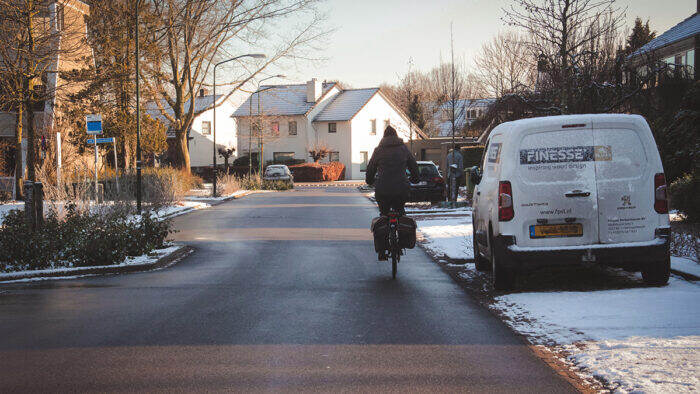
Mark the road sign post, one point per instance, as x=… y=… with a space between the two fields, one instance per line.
x=93 y=125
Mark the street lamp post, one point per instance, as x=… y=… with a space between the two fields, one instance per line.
x=250 y=129
x=253 y=55
x=138 y=114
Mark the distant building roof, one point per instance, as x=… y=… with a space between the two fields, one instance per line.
x=200 y=103
x=345 y=105
x=444 y=127
x=281 y=100
x=686 y=29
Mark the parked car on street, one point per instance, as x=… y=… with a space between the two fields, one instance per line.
x=566 y=189
x=431 y=184
x=278 y=172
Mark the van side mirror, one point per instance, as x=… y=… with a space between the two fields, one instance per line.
x=475 y=175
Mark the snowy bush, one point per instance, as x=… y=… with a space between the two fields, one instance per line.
x=79 y=238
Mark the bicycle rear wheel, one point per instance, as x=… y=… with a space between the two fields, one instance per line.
x=394 y=266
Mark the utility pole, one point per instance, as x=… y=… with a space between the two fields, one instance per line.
x=138 y=114
x=213 y=153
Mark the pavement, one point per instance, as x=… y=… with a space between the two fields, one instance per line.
x=282 y=293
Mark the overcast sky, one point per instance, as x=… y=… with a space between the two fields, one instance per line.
x=374 y=39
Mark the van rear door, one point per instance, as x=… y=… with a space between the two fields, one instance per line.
x=556 y=192
x=625 y=182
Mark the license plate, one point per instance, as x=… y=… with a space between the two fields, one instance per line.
x=423 y=183
x=556 y=230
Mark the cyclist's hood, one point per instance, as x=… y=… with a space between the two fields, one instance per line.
x=391 y=140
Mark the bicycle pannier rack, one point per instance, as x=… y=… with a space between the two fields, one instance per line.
x=380 y=229
x=407 y=232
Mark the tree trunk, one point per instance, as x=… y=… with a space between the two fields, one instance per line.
x=31 y=156
x=18 y=154
x=128 y=155
x=182 y=154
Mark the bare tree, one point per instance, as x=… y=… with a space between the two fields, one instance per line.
x=34 y=33
x=319 y=151
x=562 y=33
x=192 y=35
x=504 y=65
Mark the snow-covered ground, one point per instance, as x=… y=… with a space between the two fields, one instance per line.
x=686 y=265
x=447 y=237
x=639 y=339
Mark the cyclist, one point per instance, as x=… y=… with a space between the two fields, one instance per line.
x=387 y=167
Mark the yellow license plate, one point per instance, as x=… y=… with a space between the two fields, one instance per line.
x=556 y=230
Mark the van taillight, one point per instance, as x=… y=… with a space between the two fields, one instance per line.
x=660 y=197
x=505 y=202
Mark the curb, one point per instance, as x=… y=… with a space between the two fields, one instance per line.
x=328 y=184
x=163 y=261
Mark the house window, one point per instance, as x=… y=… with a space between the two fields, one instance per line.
x=332 y=127
x=293 y=128
x=334 y=156
x=373 y=129
x=275 y=128
x=283 y=157
x=206 y=127
x=363 y=163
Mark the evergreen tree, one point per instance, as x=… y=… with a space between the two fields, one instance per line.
x=641 y=34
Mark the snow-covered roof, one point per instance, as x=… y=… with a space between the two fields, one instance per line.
x=200 y=103
x=279 y=100
x=345 y=105
x=686 y=29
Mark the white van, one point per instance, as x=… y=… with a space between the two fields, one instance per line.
x=561 y=189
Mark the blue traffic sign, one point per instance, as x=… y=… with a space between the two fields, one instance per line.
x=93 y=124
x=106 y=140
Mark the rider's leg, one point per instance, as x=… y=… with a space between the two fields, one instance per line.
x=384 y=205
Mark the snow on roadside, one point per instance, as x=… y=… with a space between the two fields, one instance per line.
x=640 y=339
x=450 y=237
x=685 y=265
x=644 y=339
x=135 y=260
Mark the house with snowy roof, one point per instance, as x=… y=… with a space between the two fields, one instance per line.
x=200 y=138
x=294 y=119
x=466 y=112
x=676 y=47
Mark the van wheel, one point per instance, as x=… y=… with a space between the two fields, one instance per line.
x=657 y=273
x=479 y=261
x=502 y=273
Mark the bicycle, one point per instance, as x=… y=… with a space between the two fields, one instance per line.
x=394 y=245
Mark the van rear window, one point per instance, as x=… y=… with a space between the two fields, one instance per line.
x=625 y=157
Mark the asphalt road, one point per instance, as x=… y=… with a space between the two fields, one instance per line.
x=283 y=293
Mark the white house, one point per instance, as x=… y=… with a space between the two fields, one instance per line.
x=298 y=117
x=200 y=142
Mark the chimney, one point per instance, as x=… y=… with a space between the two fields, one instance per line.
x=313 y=90
x=202 y=92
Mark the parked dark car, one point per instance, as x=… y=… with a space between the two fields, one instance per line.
x=431 y=184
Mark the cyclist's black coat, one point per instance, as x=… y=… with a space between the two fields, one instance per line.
x=388 y=166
